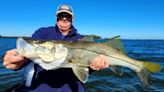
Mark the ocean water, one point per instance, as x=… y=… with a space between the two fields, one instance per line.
x=103 y=80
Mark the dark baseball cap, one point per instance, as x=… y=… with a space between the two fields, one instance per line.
x=64 y=8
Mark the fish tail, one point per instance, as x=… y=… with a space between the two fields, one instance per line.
x=144 y=74
x=152 y=67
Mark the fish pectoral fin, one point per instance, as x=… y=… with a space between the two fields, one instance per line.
x=81 y=73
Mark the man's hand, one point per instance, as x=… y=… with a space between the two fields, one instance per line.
x=100 y=62
x=13 y=60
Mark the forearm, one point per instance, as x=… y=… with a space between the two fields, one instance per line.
x=13 y=60
x=26 y=62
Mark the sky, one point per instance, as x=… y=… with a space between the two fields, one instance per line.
x=131 y=19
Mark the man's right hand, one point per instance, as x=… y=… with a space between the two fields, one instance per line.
x=13 y=60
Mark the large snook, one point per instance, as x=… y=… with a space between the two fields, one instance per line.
x=78 y=55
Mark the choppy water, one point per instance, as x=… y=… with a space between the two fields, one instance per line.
x=104 y=80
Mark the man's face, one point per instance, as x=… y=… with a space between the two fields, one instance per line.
x=64 y=21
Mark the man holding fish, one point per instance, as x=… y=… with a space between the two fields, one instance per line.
x=59 y=80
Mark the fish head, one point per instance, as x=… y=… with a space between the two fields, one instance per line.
x=25 y=48
x=49 y=51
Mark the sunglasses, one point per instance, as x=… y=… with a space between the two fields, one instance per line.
x=62 y=15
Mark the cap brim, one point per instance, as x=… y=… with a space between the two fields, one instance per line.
x=64 y=11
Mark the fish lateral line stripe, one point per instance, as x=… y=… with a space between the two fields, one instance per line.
x=107 y=55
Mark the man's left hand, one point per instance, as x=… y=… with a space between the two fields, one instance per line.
x=100 y=62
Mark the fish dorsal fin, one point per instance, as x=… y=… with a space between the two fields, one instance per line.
x=87 y=38
x=81 y=73
x=116 y=43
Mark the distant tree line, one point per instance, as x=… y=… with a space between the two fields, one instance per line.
x=12 y=36
x=94 y=36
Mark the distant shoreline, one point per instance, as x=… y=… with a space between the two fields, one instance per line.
x=13 y=36
x=95 y=37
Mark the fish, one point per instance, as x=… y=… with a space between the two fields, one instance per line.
x=78 y=55
x=115 y=42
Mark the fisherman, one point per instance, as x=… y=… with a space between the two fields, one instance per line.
x=59 y=80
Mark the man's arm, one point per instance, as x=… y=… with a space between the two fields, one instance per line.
x=99 y=63
x=13 y=60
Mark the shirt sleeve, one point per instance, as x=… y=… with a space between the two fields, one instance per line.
x=38 y=34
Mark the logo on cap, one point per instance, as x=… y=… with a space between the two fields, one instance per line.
x=65 y=7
